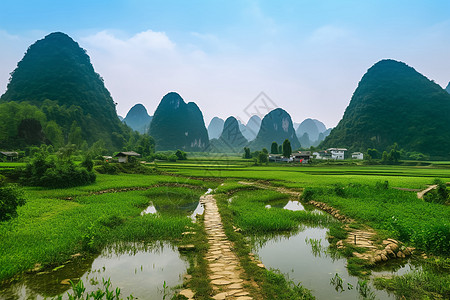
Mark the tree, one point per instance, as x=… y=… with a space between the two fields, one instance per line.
x=10 y=198
x=373 y=153
x=262 y=157
x=54 y=134
x=181 y=155
x=384 y=157
x=280 y=149
x=274 y=148
x=394 y=154
x=287 y=150
x=264 y=150
x=247 y=154
x=75 y=136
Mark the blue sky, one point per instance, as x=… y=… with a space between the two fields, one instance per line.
x=307 y=56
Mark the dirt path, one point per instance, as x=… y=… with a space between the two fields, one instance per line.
x=422 y=193
x=224 y=266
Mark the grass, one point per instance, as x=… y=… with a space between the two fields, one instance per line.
x=52 y=228
x=251 y=215
x=399 y=214
x=273 y=284
x=422 y=283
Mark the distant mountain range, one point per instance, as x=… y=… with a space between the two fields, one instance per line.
x=311 y=132
x=448 y=88
x=231 y=139
x=138 y=118
x=394 y=103
x=215 y=128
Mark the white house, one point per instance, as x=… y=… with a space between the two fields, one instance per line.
x=322 y=155
x=123 y=156
x=357 y=155
x=337 y=153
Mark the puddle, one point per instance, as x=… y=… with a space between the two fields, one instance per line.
x=151 y=209
x=209 y=191
x=302 y=257
x=294 y=206
x=140 y=272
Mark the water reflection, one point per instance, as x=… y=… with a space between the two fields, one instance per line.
x=151 y=209
x=304 y=256
x=137 y=269
x=294 y=206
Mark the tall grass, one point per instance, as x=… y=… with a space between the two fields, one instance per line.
x=252 y=216
x=403 y=216
x=48 y=230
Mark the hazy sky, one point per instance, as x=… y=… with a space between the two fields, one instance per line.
x=306 y=56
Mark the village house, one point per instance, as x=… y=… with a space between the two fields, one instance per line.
x=278 y=158
x=337 y=153
x=357 y=155
x=301 y=157
x=6 y=155
x=124 y=156
x=322 y=155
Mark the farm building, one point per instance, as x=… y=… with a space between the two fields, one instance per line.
x=337 y=153
x=357 y=155
x=322 y=155
x=6 y=155
x=123 y=156
x=301 y=156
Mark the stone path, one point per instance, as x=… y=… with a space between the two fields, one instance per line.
x=225 y=270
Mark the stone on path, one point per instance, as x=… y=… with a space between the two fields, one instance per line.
x=224 y=266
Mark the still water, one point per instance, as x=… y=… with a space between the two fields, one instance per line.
x=137 y=269
x=294 y=255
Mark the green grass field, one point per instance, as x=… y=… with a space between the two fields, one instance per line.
x=56 y=223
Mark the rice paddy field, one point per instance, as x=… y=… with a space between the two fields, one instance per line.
x=141 y=218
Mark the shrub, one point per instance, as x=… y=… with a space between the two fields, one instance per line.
x=45 y=171
x=10 y=198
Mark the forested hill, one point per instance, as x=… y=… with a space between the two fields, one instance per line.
x=56 y=68
x=393 y=103
x=276 y=126
x=177 y=125
x=448 y=88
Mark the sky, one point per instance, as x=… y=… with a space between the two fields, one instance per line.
x=304 y=56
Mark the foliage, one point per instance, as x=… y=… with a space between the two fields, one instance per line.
x=287 y=150
x=11 y=197
x=55 y=81
x=395 y=103
x=393 y=211
x=47 y=172
x=177 y=125
x=246 y=154
x=262 y=158
x=274 y=148
x=105 y=292
x=440 y=195
x=276 y=126
x=181 y=155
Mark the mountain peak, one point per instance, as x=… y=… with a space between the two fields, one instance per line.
x=138 y=119
x=276 y=126
x=394 y=103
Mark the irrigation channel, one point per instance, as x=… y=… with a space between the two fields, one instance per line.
x=142 y=269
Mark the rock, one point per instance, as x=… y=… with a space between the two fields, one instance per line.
x=261 y=265
x=65 y=282
x=340 y=243
x=391 y=253
x=400 y=254
x=393 y=241
x=377 y=259
x=187 y=293
x=406 y=251
x=186 y=247
x=76 y=255
x=384 y=257
x=394 y=247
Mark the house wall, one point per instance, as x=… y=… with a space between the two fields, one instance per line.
x=123 y=159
